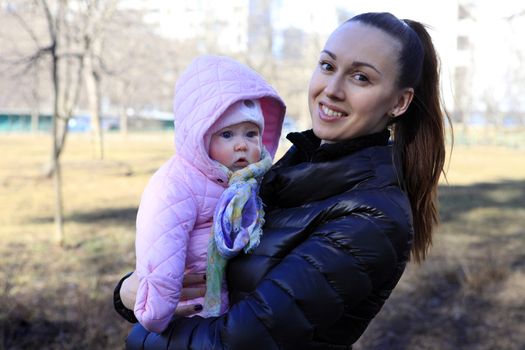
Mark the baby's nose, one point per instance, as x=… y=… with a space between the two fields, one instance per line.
x=240 y=145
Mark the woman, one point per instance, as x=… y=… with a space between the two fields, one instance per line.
x=345 y=207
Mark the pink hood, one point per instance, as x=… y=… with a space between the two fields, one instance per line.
x=176 y=209
x=204 y=91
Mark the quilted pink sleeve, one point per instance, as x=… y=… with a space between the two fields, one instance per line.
x=166 y=216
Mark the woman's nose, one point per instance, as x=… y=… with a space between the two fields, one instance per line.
x=334 y=88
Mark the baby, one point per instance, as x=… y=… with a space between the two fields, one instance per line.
x=201 y=207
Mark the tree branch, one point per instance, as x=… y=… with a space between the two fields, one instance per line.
x=26 y=27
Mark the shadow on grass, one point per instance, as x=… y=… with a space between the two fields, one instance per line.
x=444 y=313
x=457 y=200
x=46 y=322
x=27 y=333
x=499 y=231
x=120 y=216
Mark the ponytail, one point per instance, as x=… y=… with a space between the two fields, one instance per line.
x=419 y=141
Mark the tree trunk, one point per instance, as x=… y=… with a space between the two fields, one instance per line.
x=123 y=115
x=59 y=133
x=34 y=119
x=35 y=102
x=57 y=182
x=93 y=94
x=57 y=148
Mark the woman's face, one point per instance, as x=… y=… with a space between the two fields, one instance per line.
x=353 y=90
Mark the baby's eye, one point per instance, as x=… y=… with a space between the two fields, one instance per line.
x=326 y=66
x=226 y=134
x=252 y=133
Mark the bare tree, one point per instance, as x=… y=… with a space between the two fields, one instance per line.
x=515 y=75
x=68 y=47
x=464 y=73
x=66 y=70
x=260 y=38
x=95 y=16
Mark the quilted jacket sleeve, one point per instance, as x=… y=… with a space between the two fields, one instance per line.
x=334 y=269
x=166 y=216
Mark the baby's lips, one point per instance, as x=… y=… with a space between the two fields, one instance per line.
x=241 y=161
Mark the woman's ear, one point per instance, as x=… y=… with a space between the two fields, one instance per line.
x=403 y=101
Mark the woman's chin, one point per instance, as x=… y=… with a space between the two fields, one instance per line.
x=324 y=133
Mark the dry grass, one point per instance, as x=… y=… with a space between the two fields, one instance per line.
x=468 y=295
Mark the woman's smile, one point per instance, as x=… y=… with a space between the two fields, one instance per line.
x=330 y=113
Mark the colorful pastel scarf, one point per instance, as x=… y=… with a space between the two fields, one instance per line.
x=237 y=224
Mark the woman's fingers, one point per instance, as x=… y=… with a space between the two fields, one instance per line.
x=197 y=280
x=193 y=278
x=188 y=310
x=192 y=293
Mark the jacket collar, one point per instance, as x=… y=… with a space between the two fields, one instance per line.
x=309 y=145
x=311 y=172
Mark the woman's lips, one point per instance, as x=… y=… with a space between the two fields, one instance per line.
x=330 y=113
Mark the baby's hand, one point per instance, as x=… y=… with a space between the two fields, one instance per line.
x=128 y=291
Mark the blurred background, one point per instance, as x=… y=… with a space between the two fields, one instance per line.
x=86 y=88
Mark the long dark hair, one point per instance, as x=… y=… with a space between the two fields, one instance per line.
x=419 y=133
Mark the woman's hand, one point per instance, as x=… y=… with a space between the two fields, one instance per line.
x=192 y=287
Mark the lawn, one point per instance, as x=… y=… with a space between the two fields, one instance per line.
x=467 y=295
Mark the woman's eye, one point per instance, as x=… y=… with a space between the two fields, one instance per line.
x=325 y=66
x=361 y=77
x=226 y=134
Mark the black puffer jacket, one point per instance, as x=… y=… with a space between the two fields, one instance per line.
x=336 y=240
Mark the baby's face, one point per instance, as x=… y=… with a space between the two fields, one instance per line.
x=236 y=146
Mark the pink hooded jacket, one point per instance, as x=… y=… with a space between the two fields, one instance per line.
x=176 y=210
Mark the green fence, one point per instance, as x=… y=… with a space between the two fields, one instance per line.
x=12 y=122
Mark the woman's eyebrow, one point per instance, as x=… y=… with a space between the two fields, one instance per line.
x=359 y=64
x=332 y=55
x=355 y=63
